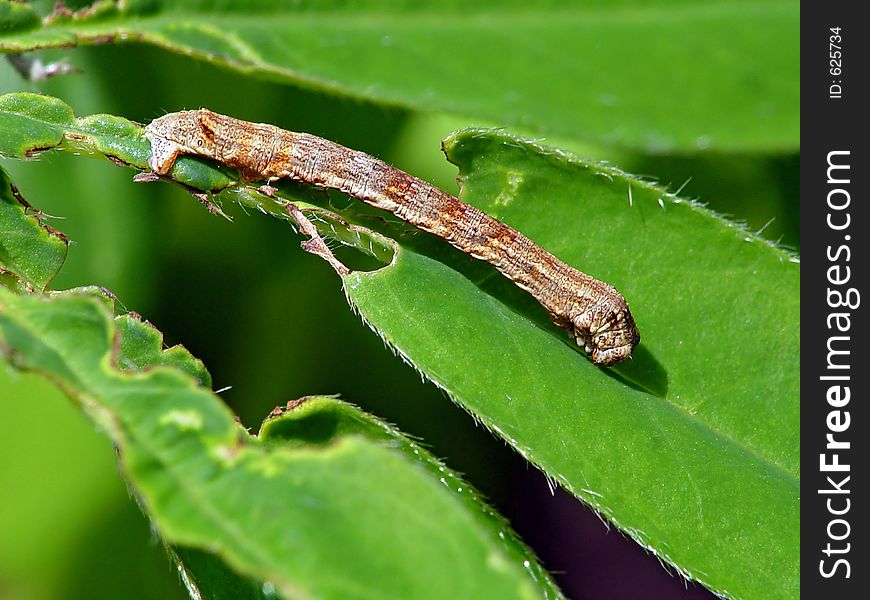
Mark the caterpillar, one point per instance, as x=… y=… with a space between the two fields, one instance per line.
x=594 y=312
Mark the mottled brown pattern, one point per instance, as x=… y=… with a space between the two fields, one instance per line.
x=593 y=311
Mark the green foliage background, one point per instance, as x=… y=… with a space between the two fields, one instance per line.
x=217 y=287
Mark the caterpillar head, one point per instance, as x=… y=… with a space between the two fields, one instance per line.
x=606 y=331
x=185 y=132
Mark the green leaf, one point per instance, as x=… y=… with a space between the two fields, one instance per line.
x=31 y=124
x=366 y=514
x=664 y=76
x=692 y=447
x=28 y=247
x=142 y=347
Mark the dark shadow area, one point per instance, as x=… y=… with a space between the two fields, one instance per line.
x=214 y=579
x=589 y=559
x=643 y=372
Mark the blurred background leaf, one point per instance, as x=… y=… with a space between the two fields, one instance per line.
x=660 y=76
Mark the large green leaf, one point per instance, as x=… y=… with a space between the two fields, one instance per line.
x=668 y=75
x=356 y=512
x=692 y=447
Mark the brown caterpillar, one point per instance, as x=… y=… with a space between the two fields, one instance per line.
x=594 y=312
